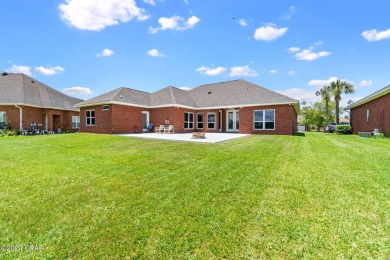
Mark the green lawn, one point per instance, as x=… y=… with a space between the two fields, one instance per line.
x=100 y=196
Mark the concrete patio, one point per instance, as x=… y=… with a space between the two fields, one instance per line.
x=187 y=137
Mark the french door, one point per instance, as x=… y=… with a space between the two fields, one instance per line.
x=145 y=120
x=232 y=120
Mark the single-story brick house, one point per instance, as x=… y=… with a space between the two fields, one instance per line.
x=232 y=106
x=372 y=112
x=29 y=104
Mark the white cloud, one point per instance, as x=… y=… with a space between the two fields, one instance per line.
x=300 y=94
x=49 y=71
x=273 y=71
x=175 y=23
x=318 y=43
x=77 y=91
x=185 y=88
x=366 y=83
x=95 y=15
x=373 y=35
x=319 y=83
x=155 y=53
x=269 y=32
x=105 y=53
x=292 y=10
x=242 y=71
x=151 y=2
x=186 y=2
x=192 y=21
x=243 y=22
x=210 y=71
x=291 y=73
x=293 y=49
x=20 y=69
x=234 y=71
x=309 y=55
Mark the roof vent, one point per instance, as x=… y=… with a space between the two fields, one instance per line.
x=4 y=73
x=209 y=92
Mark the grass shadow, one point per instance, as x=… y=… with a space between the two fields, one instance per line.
x=300 y=134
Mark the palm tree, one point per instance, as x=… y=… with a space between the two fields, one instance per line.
x=339 y=87
x=325 y=93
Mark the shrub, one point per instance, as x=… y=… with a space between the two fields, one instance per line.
x=5 y=124
x=343 y=129
x=380 y=136
x=11 y=133
x=8 y=133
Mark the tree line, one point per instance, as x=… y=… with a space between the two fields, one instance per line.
x=321 y=113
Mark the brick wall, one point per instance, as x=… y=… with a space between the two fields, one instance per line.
x=103 y=120
x=56 y=118
x=117 y=119
x=175 y=115
x=12 y=114
x=285 y=120
x=126 y=119
x=159 y=115
x=179 y=120
x=379 y=116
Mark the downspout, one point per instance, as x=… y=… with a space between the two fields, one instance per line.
x=20 y=117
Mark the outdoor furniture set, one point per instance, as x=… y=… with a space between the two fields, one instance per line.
x=162 y=129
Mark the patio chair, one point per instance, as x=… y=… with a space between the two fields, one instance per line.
x=149 y=129
x=160 y=129
x=169 y=129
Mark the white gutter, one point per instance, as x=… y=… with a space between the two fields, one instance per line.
x=188 y=107
x=369 y=98
x=20 y=117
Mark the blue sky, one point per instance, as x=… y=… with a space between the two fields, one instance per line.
x=88 y=47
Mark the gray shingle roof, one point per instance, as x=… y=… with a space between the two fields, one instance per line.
x=225 y=94
x=170 y=96
x=236 y=93
x=19 y=89
x=120 y=95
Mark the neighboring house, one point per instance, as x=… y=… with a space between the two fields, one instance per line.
x=233 y=106
x=372 y=112
x=29 y=104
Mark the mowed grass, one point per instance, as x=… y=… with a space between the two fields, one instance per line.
x=83 y=196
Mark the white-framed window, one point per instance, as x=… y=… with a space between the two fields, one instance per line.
x=264 y=119
x=75 y=122
x=2 y=119
x=90 y=117
x=188 y=120
x=367 y=114
x=199 y=121
x=106 y=107
x=211 y=119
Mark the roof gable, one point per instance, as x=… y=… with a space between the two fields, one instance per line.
x=19 y=89
x=171 y=96
x=236 y=93
x=373 y=96
x=218 y=95
x=120 y=95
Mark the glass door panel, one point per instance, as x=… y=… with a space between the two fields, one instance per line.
x=230 y=121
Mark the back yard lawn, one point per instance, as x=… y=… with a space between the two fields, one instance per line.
x=100 y=196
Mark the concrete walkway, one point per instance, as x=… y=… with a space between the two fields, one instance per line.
x=187 y=137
